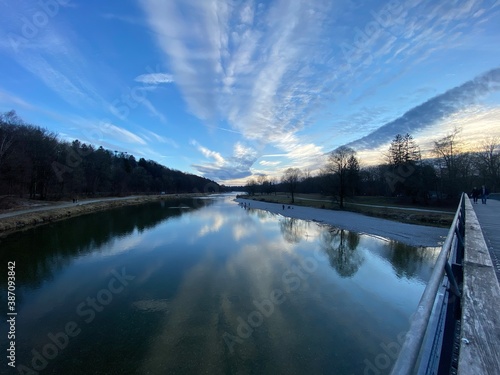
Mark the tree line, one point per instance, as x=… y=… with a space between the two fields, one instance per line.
x=403 y=173
x=35 y=163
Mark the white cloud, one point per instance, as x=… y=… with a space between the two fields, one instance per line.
x=155 y=78
x=154 y=137
x=267 y=163
x=152 y=109
x=233 y=167
x=251 y=73
x=121 y=134
x=300 y=153
x=209 y=154
x=109 y=136
x=431 y=112
x=267 y=69
x=469 y=120
x=247 y=13
x=242 y=151
x=51 y=57
x=7 y=97
x=238 y=70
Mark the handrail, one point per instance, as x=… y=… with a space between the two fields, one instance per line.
x=408 y=356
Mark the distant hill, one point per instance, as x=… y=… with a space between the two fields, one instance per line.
x=34 y=163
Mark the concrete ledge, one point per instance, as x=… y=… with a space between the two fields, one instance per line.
x=480 y=334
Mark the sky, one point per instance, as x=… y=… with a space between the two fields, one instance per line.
x=233 y=89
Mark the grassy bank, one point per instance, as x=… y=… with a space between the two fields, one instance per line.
x=52 y=213
x=391 y=210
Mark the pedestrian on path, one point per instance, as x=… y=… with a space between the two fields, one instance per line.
x=475 y=194
x=484 y=194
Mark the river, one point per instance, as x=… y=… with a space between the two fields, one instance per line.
x=206 y=286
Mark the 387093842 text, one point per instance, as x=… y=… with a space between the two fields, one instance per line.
x=11 y=313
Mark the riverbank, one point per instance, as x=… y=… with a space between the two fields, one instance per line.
x=380 y=207
x=17 y=220
x=411 y=234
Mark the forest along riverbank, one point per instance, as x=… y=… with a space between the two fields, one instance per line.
x=410 y=234
x=35 y=216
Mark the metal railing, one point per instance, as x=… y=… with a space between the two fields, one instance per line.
x=410 y=351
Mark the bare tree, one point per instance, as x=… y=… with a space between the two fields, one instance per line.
x=488 y=162
x=6 y=141
x=291 y=179
x=272 y=185
x=251 y=186
x=338 y=165
x=307 y=173
x=448 y=149
x=7 y=132
x=262 y=182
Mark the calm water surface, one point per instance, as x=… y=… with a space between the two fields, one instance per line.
x=207 y=287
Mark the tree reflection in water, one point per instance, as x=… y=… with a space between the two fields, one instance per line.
x=341 y=247
x=57 y=244
x=293 y=230
x=410 y=262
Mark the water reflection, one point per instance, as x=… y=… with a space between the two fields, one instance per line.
x=341 y=247
x=293 y=230
x=200 y=274
x=409 y=262
x=46 y=249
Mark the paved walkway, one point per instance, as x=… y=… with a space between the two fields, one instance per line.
x=489 y=217
x=60 y=205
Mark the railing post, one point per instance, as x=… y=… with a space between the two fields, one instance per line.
x=454 y=285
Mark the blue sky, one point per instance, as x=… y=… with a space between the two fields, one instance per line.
x=230 y=89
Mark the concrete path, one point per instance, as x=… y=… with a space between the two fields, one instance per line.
x=489 y=218
x=59 y=205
